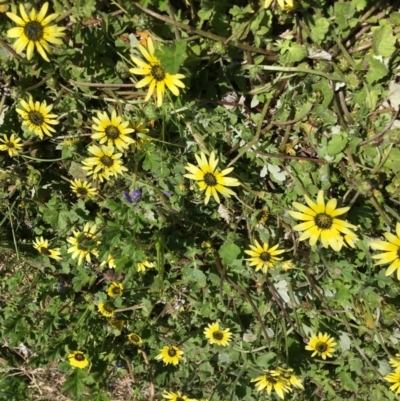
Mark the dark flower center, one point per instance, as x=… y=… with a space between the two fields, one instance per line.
x=172 y=352
x=44 y=251
x=265 y=256
x=135 y=338
x=33 y=30
x=321 y=347
x=82 y=191
x=271 y=379
x=398 y=252
x=116 y=291
x=323 y=221
x=210 y=179
x=36 y=118
x=218 y=335
x=179 y=399
x=79 y=357
x=10 y=145
x=112 y=132
x=108 y=308
x=157 y=72
x=106 y=161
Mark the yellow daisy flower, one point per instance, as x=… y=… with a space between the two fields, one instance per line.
x=217 y=336
x=395 y=362
x=175 y=396
x=211 y=180
x=323 y=345
x=392 y=252
x=170 y=354
x=110 y=261
x=104 y=164
x=36 y=116
x=394 y=377
x=290 y=377
x=42 y=246
x=112 y=131
x=106 y=309
x=84 y=243
x=32 y=31
x=263 y=257
x=134 y=339
x=141 y=131
x=115 y=290
x=321 y=222
x=142 y=266
x=288 y=265
x=286 y=5
x=155 y=75
x=11 y=145
x=83 y=189
x=78 y=359
x=272 y=380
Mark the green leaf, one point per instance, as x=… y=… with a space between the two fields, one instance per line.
x=377 y=70
x=347 y=382
x=74 y=383
x=337 y=144
x=383 y=41
x=172 y=57
x=319 y=29
x=296 y=53
x=229 y=253
x=343 y=14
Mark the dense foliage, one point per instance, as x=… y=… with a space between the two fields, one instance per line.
x=199 y=200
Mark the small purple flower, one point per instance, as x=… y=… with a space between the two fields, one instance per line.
x=167 y=193
x=119 y=364
x=134 y=197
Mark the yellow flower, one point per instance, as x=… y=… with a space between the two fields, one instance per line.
x=290 y=377
x=217 y=336
x=323 y=345
x=32 y=31
x=106 y=309
x=78 y=359
x=170 y=354
x=115 y=290
x=42 y=246
x=141 y=266
x=84 y=243
x=36 y=116
x=12 y=145
x=83 y=189
x=321 y=222
x=395 y=362
x=112 y=130
x=135 y=339
x=286 y=5
x=155 y=75
x=288 y=265
x=272 y=380
x=394 y=377
x=211 y=180
x=392 y=252
x=175 y=396
x=110 y=260
x=263 y=257
x=104 y=164
x=141 y=131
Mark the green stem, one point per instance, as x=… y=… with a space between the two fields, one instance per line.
x=13 y=232
x=42 y=160
x=277 y=68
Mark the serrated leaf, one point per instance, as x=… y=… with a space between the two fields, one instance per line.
x=377 y=70
x=172 y=57
x=344 y=340
x=74 y=384
x=343 y=13
x=394 y=94
x=229 y=253
x=383 y=41
x=296 y=53
x=319 y=29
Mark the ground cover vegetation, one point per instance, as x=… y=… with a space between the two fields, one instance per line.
x=199 y=200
